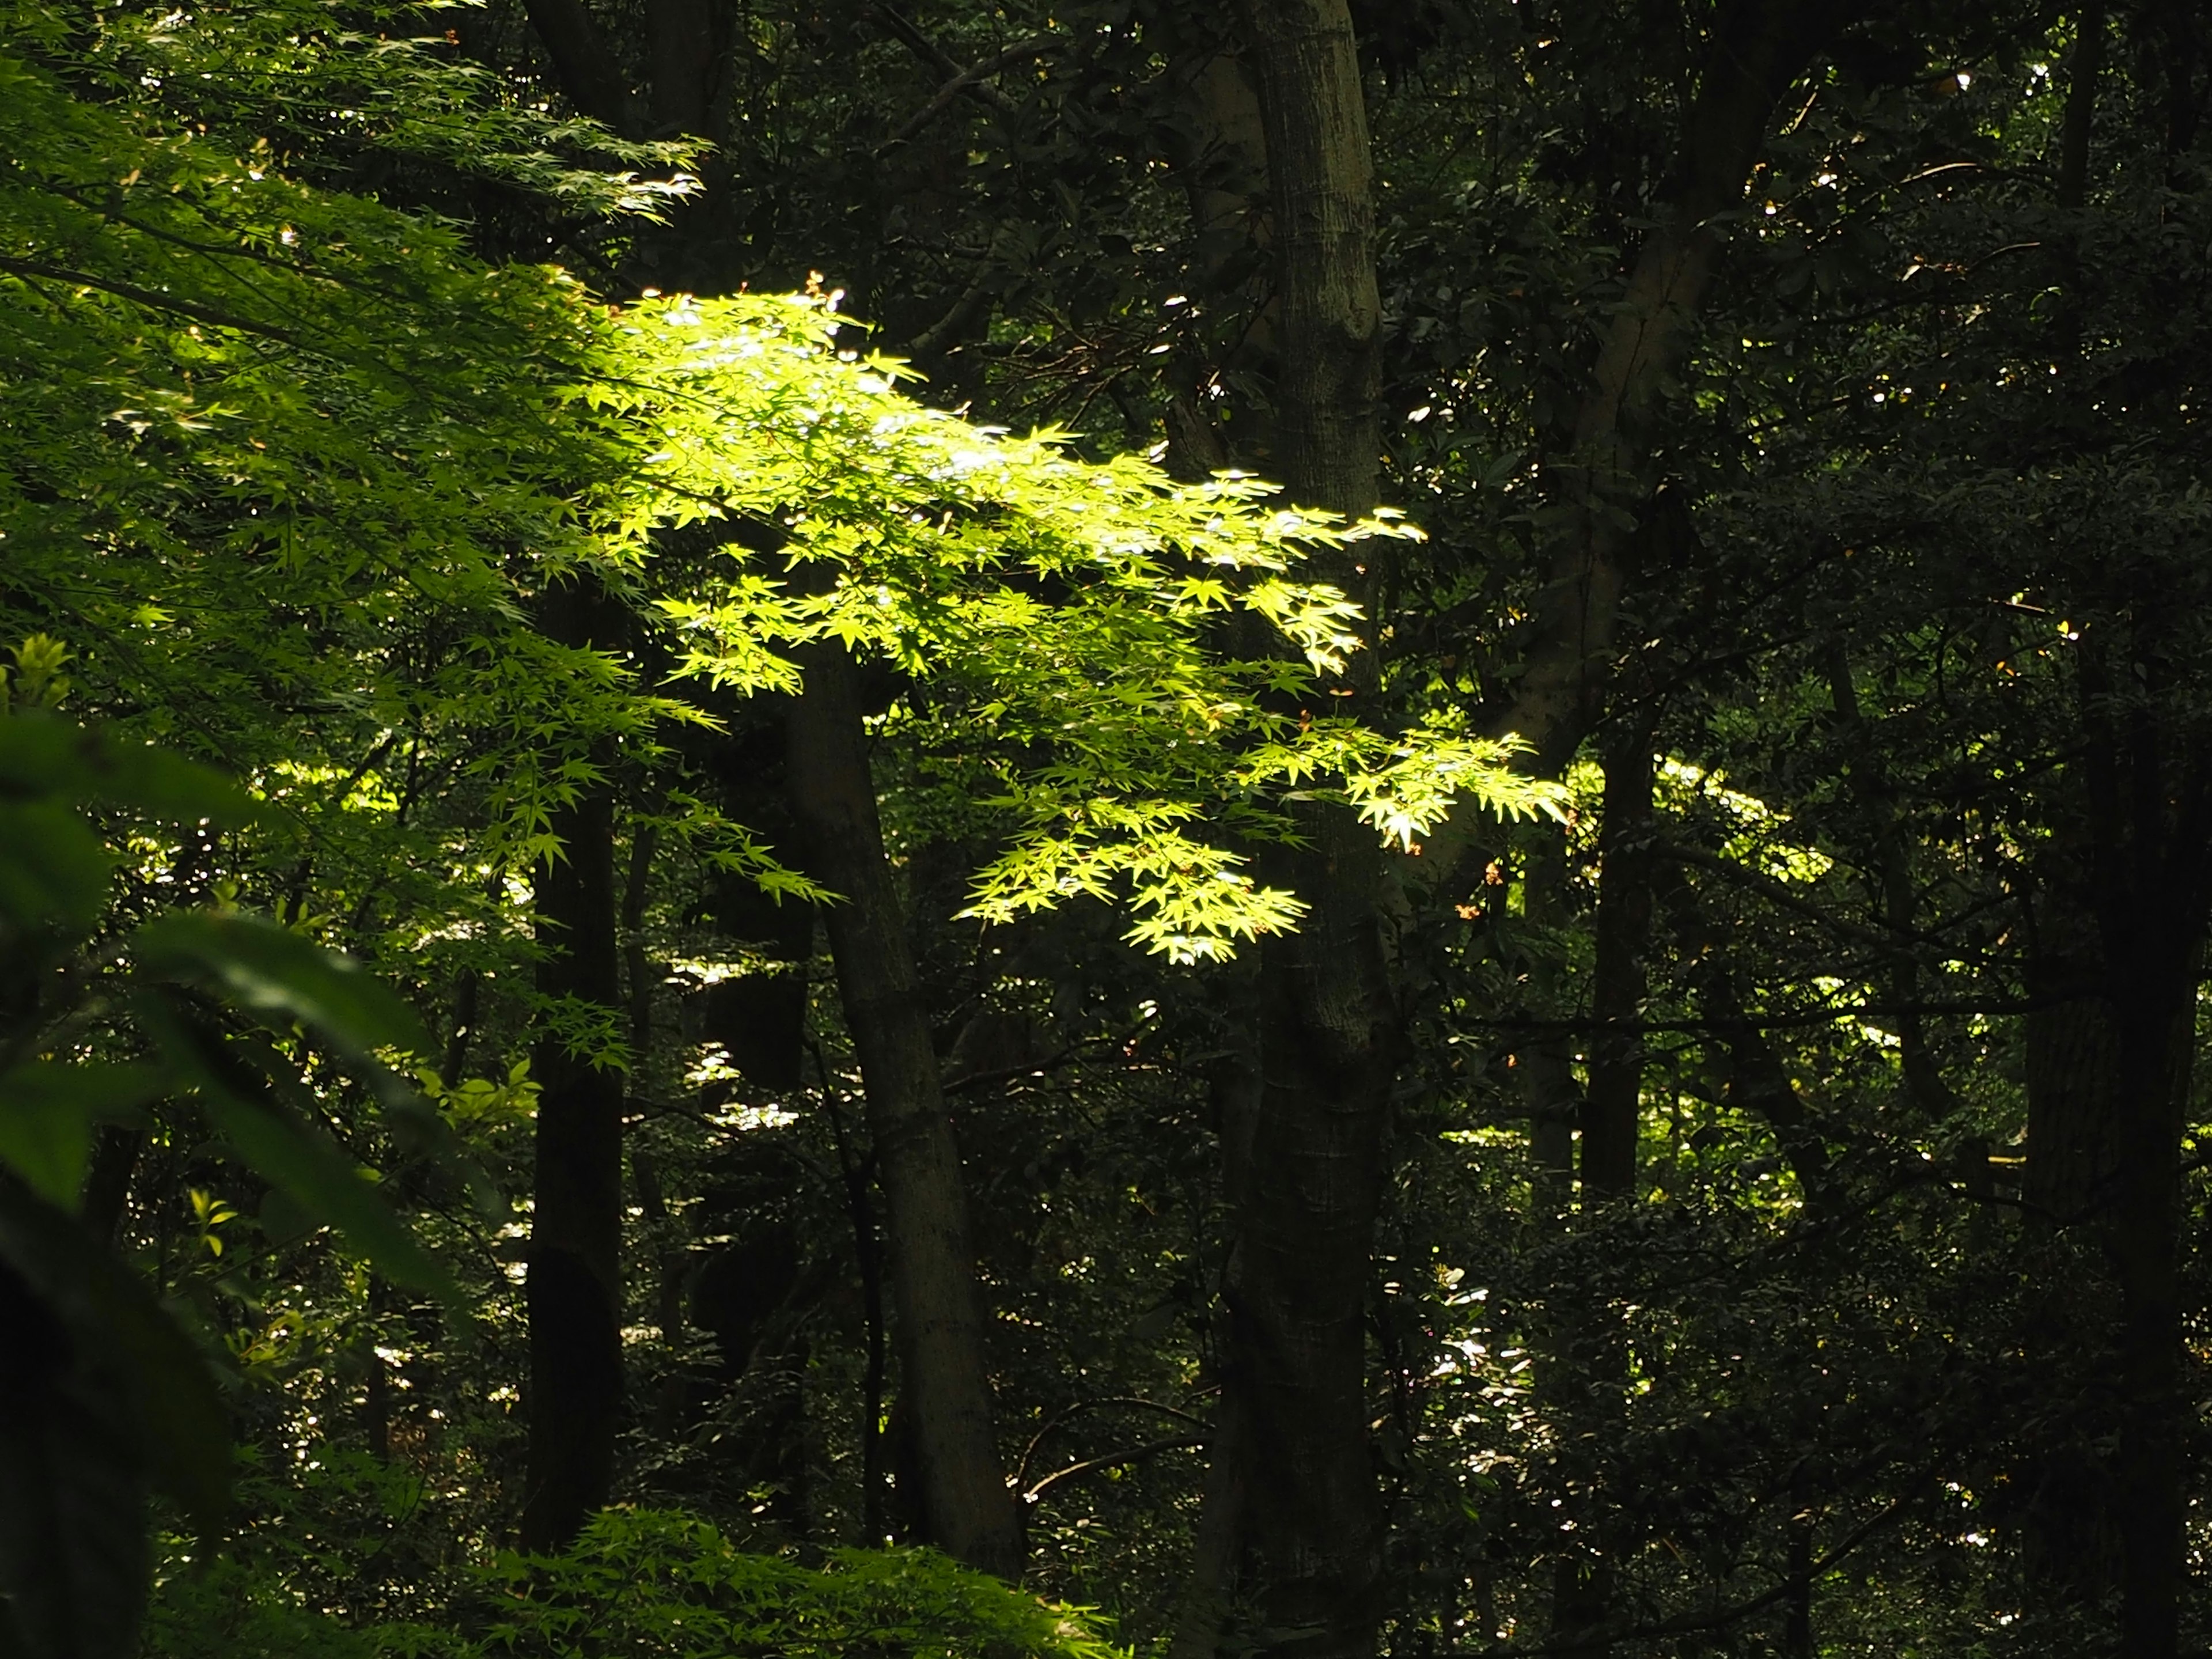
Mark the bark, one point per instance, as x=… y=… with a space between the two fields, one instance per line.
x=1310 y=1514
x=1320 y=171
x=1327 y=1041
x=2151 y=825
x=1590 y=1372
x=868 y=1257
x=574 y=1290
x=681 y=56
x=1222 y=166
x=1236 y=1089
x=586 y=69
x=944 y=1365
x=2071 y=1060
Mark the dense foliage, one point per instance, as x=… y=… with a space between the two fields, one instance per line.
x=717 y=937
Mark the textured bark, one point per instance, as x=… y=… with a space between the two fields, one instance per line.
x=2071 y=1063
x=1319 y=171
x=1308 y=1512
x=945 y=1373
x=1297 y=1293
x=574 y=1290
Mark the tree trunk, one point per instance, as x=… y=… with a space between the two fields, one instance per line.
x=1757 y=49
x=574 y=1291
x=1309 y=1509
x=1546 y=1066
x=2151 y=819
x=944 y=1366
x=1611 y=1119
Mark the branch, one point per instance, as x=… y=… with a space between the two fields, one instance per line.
x=1886 y=939
x=952 y=325
x=936 y=56
x=1152 y=1448
x=967 y=80
x=154 y=300
x=1022 y=1469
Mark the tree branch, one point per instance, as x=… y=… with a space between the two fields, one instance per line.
x=967 y=80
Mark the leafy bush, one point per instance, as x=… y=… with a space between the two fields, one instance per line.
x=642 y=1584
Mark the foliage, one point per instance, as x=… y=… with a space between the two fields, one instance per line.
x=305 y=441
x=651 y=1584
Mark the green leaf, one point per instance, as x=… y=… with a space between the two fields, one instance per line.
x=53 y=868
x=47 y=1116
x=271 y=970
x=281 y=1145
x=42 y=756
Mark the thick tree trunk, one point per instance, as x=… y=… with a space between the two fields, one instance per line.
x=573 y=1291
x=587 y=71
x=944 y=1371
x=2151 y=821
x=2152 y=1021
x=680 y=46
x=1309 y=1507
x=1224 y=171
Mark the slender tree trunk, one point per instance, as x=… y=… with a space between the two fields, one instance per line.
x=1235 y=1086
x=1546 y=1067
x=1611 y=1119
x=868 y=1257
x=944 y=1364
x=1591 y=1350
x=1757 y=49
x=2083 y=65
x=574 y=1291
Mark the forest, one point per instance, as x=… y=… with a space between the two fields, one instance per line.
x=976 y=830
